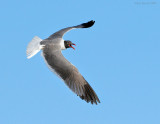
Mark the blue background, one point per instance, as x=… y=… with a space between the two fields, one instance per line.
x=119 y=56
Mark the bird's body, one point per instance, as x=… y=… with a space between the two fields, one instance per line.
x=56 y=41
x=51 y=51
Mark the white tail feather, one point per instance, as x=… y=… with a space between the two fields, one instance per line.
x=33 y=47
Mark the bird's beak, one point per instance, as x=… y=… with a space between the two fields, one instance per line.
x=72 y=46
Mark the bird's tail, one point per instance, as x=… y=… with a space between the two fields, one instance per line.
x=33 y=47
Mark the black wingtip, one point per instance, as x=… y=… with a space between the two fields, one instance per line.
x=88 y=24
x=90 y=95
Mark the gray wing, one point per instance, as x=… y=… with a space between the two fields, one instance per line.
x=69 y=73
x=63 y=31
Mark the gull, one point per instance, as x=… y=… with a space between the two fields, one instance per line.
x=51 y=51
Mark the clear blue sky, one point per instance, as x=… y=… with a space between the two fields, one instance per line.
x=119 y=56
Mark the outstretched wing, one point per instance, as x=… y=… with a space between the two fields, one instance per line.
x=63 y=31
x=69 y=73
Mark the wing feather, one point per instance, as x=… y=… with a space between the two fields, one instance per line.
x=69 y=73
x=60 y=33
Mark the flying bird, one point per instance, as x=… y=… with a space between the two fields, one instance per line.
x=51 y=51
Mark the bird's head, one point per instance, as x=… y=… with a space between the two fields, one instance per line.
x=68 y=44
